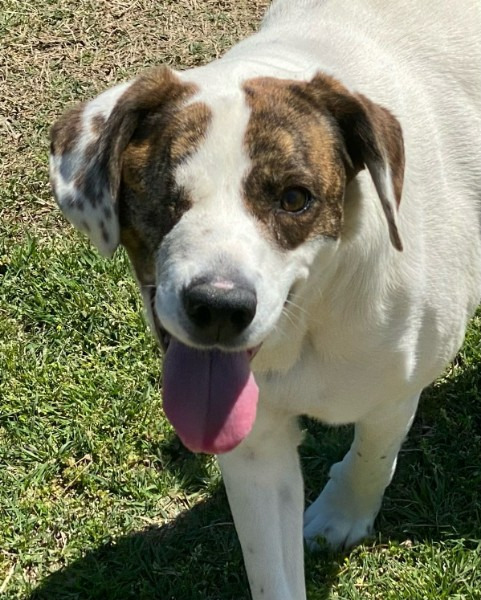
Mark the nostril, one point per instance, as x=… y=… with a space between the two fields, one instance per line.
x=243 y=317
x=200 y=315
x=239 y=319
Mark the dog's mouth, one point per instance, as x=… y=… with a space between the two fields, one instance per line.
x=209 y=395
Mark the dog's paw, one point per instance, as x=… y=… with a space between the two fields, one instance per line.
x=339 y=517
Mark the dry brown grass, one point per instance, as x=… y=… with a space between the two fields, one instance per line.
x=54 y=53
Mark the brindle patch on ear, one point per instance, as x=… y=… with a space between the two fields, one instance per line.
x=373 y=139
x=66 y=131
x=186 y=130
x=369 y=128
x=293 y=143
x=150 y=203
x=97 y=124
x=134 y=159
x=388 y=129
x=88 y=143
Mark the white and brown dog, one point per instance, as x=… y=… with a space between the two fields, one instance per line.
x=303 y=219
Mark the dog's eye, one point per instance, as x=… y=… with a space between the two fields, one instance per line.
x=295 y=199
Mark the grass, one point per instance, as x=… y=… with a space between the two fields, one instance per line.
x=98 y=499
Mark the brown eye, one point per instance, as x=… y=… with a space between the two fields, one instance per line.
x=295 y=199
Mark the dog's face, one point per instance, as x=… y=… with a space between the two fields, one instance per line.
x=222 y=199
x=246 y=200
x=234 y=193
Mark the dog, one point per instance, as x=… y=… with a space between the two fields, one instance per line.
x=303 y=219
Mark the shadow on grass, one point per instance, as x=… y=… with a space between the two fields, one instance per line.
x=436 y=492
x=196 y=557
x=435 y=496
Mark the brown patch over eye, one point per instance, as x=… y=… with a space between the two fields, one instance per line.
x=186 y=130
x=150 y=203
x=296 y=183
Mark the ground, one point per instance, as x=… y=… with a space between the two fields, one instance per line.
x=98 y=499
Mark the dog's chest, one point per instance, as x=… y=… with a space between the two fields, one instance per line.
x=335 y=388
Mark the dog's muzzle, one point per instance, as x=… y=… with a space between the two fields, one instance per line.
x=209 y=391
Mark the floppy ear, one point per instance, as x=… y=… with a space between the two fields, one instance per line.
x=373 y=139
x=87 y=144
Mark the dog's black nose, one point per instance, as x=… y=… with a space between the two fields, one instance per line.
x=219 y=310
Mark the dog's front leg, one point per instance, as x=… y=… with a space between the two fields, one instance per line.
x=264 y=485
x=345 y=510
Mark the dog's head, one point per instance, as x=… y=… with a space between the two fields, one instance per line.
x=223 y=199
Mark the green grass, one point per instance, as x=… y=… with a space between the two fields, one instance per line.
x=98 y=499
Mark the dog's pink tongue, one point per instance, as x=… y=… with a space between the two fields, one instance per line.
x=210 y=397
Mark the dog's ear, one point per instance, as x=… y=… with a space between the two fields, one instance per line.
x=87 y=144
x=373 y=139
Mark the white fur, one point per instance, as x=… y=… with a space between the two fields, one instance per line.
x=365 y=328
x=368 y=328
